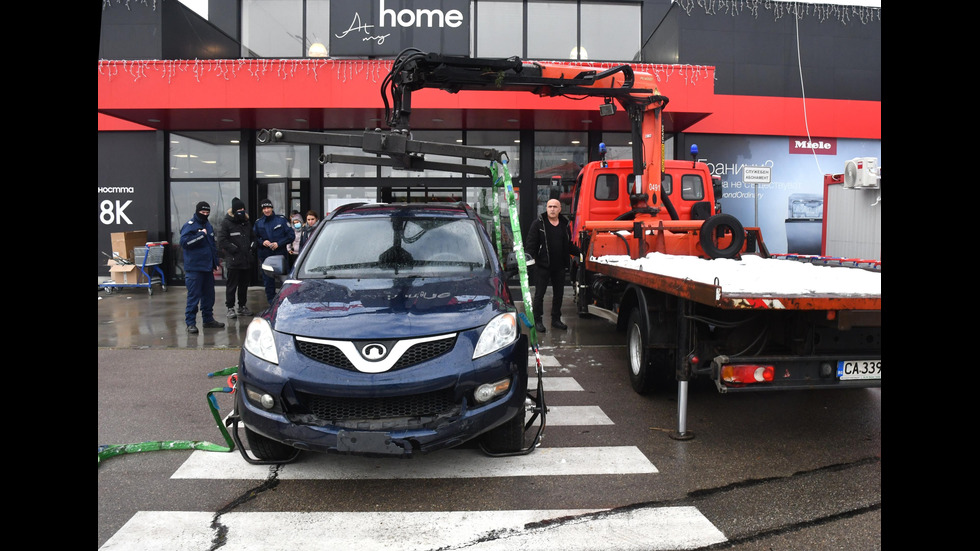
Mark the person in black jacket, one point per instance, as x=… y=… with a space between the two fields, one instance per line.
x=235 y=245
x=549 y=242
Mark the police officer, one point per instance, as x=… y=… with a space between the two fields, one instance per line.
x=200 y=259
x=272 y=234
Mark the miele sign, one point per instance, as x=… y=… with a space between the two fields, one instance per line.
x=813 y=146
x=386 y=27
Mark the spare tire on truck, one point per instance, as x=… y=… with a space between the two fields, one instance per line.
x=719 y=226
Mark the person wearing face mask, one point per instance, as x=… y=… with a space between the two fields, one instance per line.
x=297 y=224
x=273 y=234
x=311 y=220
x=235 y=242
x=200 y=259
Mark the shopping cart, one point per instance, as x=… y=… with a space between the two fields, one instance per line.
x=148 y=257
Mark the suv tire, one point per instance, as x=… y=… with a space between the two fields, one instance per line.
x=267 y=449
x=508 y=437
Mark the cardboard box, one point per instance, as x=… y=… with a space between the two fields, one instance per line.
x=126 y=274
x=123 y=242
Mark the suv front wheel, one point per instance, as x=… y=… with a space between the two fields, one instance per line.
x=506 y=438
x=267 y=449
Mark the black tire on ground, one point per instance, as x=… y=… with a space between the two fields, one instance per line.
x=267 y=449
x=506 y=438
x=722 y=223
x=648 y=368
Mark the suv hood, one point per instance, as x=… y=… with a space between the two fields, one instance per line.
x=351 y=309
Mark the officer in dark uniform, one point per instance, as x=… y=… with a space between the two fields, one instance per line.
x=200 y=260
x=272 y=233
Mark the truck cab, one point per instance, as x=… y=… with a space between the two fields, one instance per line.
x=602 y=192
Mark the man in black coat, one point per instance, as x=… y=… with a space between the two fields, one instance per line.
x=235 y=245
x=549 y=242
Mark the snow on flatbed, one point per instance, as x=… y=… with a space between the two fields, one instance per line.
x=757 y=275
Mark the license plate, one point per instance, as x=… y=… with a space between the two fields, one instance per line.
x=858 y=369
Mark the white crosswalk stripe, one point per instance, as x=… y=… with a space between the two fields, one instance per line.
x=640 y=528
x=551 y=530
x=451 y=463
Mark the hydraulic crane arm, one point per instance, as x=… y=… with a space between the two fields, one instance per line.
x=636 y=92
x=414 y=70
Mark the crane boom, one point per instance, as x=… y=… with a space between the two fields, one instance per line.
x=636 y=92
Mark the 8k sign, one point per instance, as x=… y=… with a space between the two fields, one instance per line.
x=386 y=27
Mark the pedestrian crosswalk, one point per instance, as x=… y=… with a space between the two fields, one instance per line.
x=632 y=528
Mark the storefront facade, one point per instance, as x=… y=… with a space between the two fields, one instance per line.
x=183 y=96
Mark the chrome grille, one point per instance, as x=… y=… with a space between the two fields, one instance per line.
x=331 y=355
x=334 y=409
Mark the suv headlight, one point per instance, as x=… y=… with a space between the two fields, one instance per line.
x=260 y=341
x=500 y=332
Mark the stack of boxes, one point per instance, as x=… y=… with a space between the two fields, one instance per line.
x=124 y=268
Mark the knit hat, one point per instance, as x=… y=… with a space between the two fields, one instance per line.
x=265 y=203
x=237 y=204
x=203 y=205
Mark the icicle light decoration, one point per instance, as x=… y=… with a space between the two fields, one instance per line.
x=373 y=70
x=842 y=12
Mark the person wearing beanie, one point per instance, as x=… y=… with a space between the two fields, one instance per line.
x=273 y=234
x=235 y=244
x=197 y=242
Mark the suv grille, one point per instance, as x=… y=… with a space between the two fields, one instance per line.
x=331 y=355
x=334 y=410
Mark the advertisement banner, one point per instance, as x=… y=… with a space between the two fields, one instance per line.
x=789 y=208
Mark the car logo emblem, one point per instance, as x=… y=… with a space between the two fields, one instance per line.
x=374 y=352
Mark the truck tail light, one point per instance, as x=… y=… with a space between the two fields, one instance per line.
x=747 y=373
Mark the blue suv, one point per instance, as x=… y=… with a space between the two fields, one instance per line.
x=394 y=333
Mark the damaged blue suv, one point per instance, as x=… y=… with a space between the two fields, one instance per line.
x=394 y=333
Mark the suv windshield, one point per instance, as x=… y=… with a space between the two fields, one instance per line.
x=395 y=247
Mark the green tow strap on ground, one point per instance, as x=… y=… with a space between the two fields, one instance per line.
x=105 y=452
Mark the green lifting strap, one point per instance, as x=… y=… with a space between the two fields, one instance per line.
x=501 y=178
x=105 y=452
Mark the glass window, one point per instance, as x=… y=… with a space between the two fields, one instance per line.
x=272 y=28
x=558 y=154
x=607 y=187
x=317 y=28
x=551 y=29
x=334 y=197
x=282 y=161
x=499 y=28
x=667 y=183
x=348 y=170
x=692 y=187
x=391 y=247
x=619 y=145
x=204 y=155
x=597 y=20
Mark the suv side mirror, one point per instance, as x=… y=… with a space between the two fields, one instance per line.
x=274 y=266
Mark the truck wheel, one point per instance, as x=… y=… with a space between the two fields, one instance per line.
x=267 y=449
x=506 y=438
x=721 y=224
x=648 y=367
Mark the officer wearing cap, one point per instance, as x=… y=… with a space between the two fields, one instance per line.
x=272 y=234
x=200 y=259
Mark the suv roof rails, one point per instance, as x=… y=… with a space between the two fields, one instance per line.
x=343 y=208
